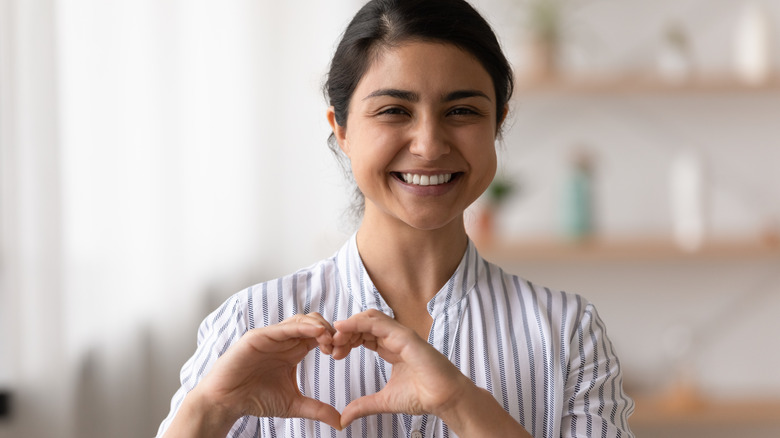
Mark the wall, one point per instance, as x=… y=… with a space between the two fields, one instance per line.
x=32 y=322
x=152 y=159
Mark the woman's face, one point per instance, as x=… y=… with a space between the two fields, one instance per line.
x=420 y=134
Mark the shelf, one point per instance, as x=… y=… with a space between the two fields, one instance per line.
x=688 y=408
x=644 y=85
x=746 y=412
x=648 y=249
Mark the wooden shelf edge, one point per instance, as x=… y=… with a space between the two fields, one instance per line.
x=660 y=412
x=683 y=405
x=638 y=84
x=623 y=250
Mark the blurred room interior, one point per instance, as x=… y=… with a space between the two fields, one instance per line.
x=157 y=156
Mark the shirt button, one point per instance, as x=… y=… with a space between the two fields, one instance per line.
x=416 y=434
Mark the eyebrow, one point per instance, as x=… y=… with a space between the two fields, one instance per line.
x=414 y=97
x=464 y=94
x=393 y=92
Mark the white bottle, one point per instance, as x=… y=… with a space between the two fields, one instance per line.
x=688 y=200
x=753 y=45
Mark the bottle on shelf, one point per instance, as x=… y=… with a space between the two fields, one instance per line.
x=753 y=51
x=578 y=220
x=687 y=194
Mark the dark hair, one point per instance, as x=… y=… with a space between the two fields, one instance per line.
x=382 y=24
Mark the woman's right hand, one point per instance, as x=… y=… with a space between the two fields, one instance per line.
x=257 y=376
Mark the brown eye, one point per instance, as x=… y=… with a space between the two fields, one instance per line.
x=393 y=111
x=467 y=112
x=463 y=112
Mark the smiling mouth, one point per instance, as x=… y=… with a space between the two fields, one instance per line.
x=425 y=180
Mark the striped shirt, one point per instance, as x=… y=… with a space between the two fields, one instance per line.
x=543 y=354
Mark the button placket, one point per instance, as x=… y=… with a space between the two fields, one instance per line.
x=417 y=426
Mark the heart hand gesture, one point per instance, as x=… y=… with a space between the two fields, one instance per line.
x=257 y=376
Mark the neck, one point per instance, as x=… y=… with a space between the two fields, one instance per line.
x=407 y=263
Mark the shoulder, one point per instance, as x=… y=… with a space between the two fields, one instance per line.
x=298 y=280
x=571 y=315
x=272 y=301
x=545 y=301
x=315 y=288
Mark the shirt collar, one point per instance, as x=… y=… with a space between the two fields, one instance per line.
x=356 y=280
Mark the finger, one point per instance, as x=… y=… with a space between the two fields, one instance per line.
x=311 y=318
x=350 y=339
x=314 y=319
x=326 y=347
x=281 y=337
x=371 y=344
x=371 y=321
x=319 y=411
x=361 y=407
x=341 y=351
x=347 y=342
x=376 y=326
x=291 y=330
x=320 y=319
x=325 y=340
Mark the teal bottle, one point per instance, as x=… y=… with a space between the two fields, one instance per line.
x=578 y=220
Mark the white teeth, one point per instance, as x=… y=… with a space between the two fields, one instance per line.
x=427 y=180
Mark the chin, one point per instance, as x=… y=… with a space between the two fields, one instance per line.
x=433 y=224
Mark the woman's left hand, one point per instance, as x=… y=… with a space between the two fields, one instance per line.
x=423 y=380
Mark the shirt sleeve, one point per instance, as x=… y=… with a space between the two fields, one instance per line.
x=218 y=331
x=596 y=405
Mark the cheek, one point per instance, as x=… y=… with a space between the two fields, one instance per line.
x=370 y=154
x=485 y=160
x=490 y=167
x=366 y=170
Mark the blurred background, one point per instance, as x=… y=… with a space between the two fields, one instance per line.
x=157 y=156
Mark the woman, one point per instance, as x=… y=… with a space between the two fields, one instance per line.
x=418 y=91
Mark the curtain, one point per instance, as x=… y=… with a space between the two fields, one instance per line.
x=157 y=156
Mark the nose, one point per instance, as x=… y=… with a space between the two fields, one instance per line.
x=429 y=140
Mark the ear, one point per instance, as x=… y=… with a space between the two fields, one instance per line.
x=502 y=117
x=340 y=132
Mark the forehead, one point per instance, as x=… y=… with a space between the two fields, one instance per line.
x=425 y=67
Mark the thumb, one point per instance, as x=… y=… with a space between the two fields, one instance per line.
x=319 y=411
x=366 y=405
